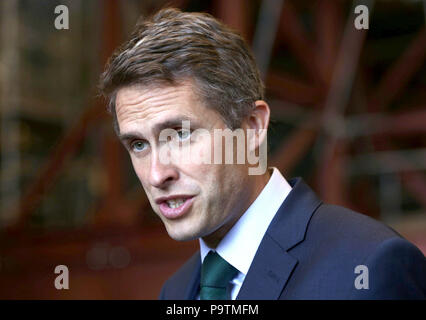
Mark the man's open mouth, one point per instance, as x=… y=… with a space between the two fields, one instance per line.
x=173 y=208
x=176 y=203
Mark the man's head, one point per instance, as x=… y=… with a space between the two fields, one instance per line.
x=187 y=67
x=172 y=46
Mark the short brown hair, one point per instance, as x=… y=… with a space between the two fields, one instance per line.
x=172 y=46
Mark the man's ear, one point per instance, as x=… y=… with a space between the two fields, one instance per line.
x=258 y=121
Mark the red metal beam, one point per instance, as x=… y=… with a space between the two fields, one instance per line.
x=299 y=43
x=392 y=83
x=331 y=164
x=290 y=89
x=295 y=147
x=112 y=152
x=235 y=14
x=66 y=148
x=406 y=123
x=329 y=26
x=399 y=74
x=333 y=185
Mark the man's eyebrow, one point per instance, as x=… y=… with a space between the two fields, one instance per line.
x=129 y=136
x=170 y=123
x=173 y=123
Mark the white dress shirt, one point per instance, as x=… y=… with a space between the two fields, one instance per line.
x=240 y=244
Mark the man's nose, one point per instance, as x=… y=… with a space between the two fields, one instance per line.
x=160 y=174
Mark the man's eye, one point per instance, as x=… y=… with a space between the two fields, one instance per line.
x=183 y=134
x=138 y=146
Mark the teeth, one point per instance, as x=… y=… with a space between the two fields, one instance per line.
x=175 y=203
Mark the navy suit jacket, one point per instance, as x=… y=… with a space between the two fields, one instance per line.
x=310 y=251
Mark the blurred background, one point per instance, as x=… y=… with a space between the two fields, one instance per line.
x=349 y=116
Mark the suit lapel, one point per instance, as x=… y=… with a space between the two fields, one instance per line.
x=190 y=279
x=191 y=290
x=268 y=272
x=183 y=285
x=272 y=265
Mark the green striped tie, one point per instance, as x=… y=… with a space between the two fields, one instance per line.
x=216 y=274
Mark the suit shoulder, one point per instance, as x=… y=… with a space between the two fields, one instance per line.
x=338 y=232
x=337 y=240
x=397 y=270
x=344 y=224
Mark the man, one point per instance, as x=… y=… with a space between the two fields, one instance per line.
x=180 y=79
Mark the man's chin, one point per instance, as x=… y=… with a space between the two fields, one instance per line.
x=182 y=236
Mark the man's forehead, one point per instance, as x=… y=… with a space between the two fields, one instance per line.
x=153 y=100
x=157 y=107
x=151 y=95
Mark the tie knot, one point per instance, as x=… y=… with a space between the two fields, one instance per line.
x=216 y=271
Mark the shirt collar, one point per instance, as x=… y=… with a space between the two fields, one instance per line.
x=240 y=244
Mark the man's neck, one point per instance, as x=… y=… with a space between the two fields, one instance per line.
x=259 y=182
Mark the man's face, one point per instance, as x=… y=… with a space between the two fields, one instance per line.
x=213 y=195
